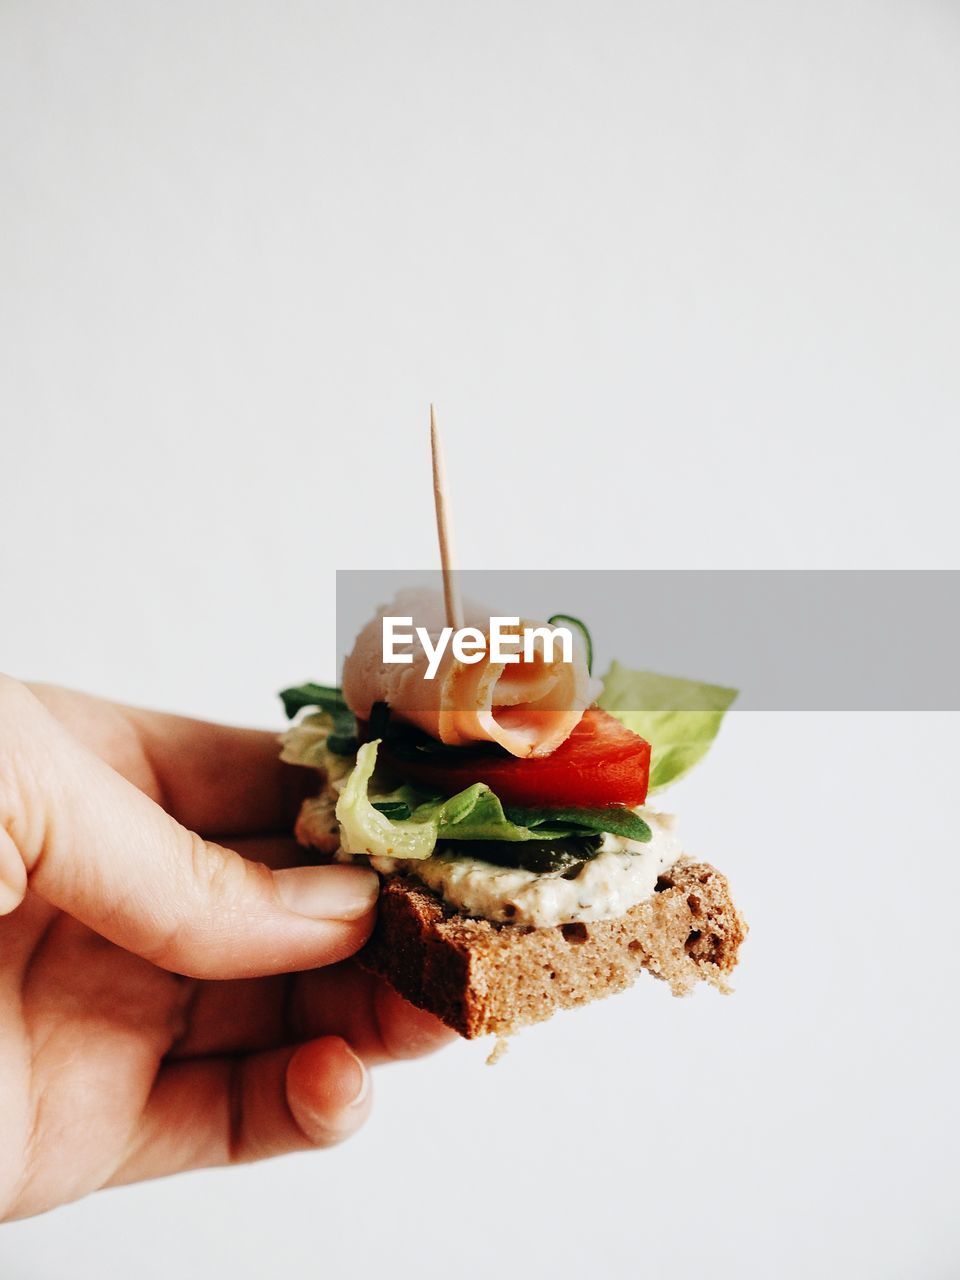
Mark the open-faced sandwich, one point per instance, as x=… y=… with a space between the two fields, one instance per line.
x=505 y=806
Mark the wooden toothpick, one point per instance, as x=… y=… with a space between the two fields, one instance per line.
x=451 y=588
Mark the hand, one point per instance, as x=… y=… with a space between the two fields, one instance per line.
x=161 y=1005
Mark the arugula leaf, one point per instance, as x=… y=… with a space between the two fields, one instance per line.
x=613 y=818
x=325 y=696
x=395 y=809
x=679 y=718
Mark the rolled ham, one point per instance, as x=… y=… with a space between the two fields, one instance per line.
x=529 y=708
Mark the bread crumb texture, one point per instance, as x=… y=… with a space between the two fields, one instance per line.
x=482 y=978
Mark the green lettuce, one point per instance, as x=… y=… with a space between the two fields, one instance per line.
x=374 y=825
x=342 y=737
x=308 y=744
x=679 y=718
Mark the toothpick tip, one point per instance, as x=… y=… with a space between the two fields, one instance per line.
x=451 y=592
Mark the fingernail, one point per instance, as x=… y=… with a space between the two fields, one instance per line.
x=9 y=899
x=363 y=1079
x=13 y=875
x=328 y=893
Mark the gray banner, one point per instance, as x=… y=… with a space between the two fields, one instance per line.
x=787 y=640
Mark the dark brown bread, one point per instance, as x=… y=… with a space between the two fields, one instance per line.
x=482 y=978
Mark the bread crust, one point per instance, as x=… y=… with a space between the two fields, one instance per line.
x=482 y=978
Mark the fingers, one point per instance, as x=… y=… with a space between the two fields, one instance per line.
x=382 y=1026
x=237 y=1017
x=328 y=1091
x=93 y=845
x=211 y=778
x=217 y=778
x=227 y=1110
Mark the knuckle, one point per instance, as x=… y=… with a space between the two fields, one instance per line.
x=21 y=753
x=223 y=875
x=220 y=887
x=13 y=697
x=208 y=865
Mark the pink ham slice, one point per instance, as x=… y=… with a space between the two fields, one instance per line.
x=529 y=708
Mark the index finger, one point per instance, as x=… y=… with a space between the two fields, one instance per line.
x=215 y=779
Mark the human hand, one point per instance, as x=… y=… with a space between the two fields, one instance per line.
x=161 y=1008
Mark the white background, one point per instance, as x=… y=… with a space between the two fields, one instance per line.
x=683 y=281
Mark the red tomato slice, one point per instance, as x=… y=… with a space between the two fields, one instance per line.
x=601 y=763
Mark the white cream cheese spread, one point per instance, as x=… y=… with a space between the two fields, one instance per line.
x=622 y=874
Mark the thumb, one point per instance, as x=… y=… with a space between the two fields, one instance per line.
x=90 y=843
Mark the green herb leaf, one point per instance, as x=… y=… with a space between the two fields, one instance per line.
x=395 y=809
x=342 y=738
x=326 y=697
x=613 y=818
x=582 y=628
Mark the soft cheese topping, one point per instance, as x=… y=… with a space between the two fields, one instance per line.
x=622 y=874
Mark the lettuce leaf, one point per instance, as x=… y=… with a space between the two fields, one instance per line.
x=370 y=825
x=307 y=744
x=679 y=718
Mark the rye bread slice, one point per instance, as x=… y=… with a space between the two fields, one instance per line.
x=482 y=978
